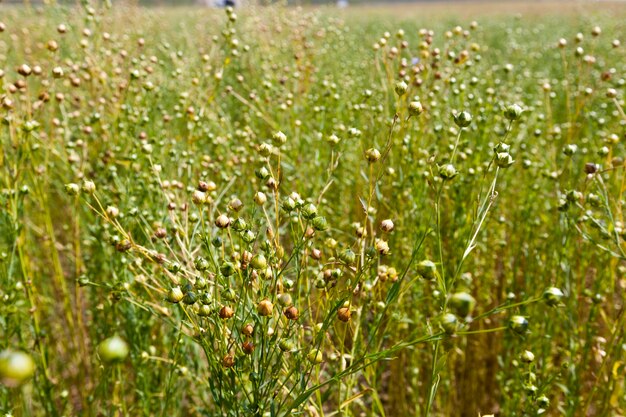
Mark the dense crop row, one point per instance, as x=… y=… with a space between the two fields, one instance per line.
x=293 y=213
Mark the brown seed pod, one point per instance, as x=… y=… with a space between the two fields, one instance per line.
x=291 y=313
x=228 y=361
x=265 y=308
x=344 y=314
x=248 y=330
x=226 y=312
x=247 y=347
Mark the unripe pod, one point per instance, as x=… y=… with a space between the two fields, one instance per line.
x=527 y=356
x=259 y=262
x=504 y=160
x=415 y=108
x=279 y=138
x=518 y=324
x=319 y=223
x=543 y=402
x=315 y=356
x=309 y=211
x=513 y=112
x=348 y=256
x=382 y=247
x=113 y=349
x=344 y=314
x=462 y=303
x=175 y=295
x=260 y=198
x=449 y=323
x=401 y=88
x=427 y=270
x=462 y=119
x=265 y=308
x=447 y=171
x=372 y=155
x=286 y=345
x=15 y=367
x=552 y=296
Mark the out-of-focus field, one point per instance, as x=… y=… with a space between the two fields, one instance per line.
x=372 y=211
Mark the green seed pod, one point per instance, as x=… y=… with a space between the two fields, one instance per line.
x=309 y=211
x=518 y=324
x=204 y=310
x=248 y=236
x=286 y=345
x=553 y=296
x=201 y=264
x=447 y=171
x=372 y=155
x=449 y=323
x=239 y=224
x=229 y=294
x=462 y=303
x=262 y=173
x=113 y=349
x=401 y=88
x=504 y=159
x=190 y=298
x=284 y=299
x=427 y=270
x=415 y=108
x=72 y=188
x=175 y=295
x=513 y=112
x=16 y=367
x=501 y=147
x=570 y=149
x=289 y=204
x=279 y=138
x=348 y=256
x=259 y=262
x=315 y=356
x=319 y=223
x=543 y=402
x=462 y=119
x=527 y=357
x=227 y=269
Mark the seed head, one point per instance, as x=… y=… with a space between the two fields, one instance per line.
x=175 y=295
x=89 y=187
x=344 y=314
x=279 y=138
x=247 y=347
x=401 y=88
x=415 y=108
x=447 y=171
x=222 y=221
x=553 y=296
x=527 y=356
x=519 y=324
x=462 y=303
x=386 y=225
x=462 y=119
x=260 y=198
x=427 y=270
x=113 y=349
x=226 y=313
x=16 y=367
x=291 y=313
x=315 y=356
x=265 y=308
x=513 y=112
x=372 y=155
x=248 y=330
x=228 y=361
